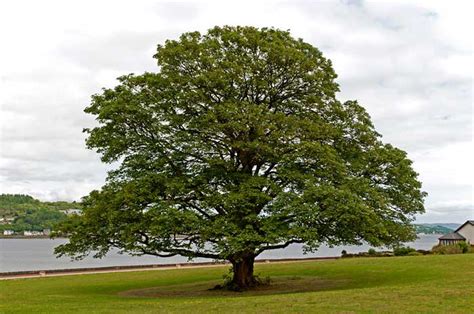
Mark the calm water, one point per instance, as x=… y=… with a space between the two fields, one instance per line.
x=37 y=254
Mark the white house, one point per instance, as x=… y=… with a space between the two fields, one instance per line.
x=72 y=211
x=29 y=233
x=6 y=220
x=8 y=232
x=467 y=231
x=464 y=233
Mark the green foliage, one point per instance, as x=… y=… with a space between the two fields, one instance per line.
x=447 y=249
x=10 y=200
x=31 y=214
x=38 y=220
x=458 y=248
x=464 y=246
x=235 y=146
x=404 y=251
x=370 y=253
x=12 y=204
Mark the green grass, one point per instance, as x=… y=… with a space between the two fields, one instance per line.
x=418 y=284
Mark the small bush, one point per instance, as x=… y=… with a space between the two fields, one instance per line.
x=403 y=251
x=372 y=252
x=424 y=252
x=464 y=247
x=344 y=253
x=414 y=253
x=446 y=249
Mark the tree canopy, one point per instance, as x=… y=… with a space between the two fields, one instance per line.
x=236 y=145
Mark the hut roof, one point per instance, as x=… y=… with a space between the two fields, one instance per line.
x=452 y=236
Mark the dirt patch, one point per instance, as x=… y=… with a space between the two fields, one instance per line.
x=278 y=285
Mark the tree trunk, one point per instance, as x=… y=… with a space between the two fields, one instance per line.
x=243 y=273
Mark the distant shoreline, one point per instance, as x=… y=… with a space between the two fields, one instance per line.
x=29 y=237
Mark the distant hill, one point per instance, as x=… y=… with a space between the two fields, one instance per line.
x=11 y=204
x=452 y=226
x=19 y=212
x=436 y=228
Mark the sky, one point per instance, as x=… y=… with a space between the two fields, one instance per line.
x=409 y=63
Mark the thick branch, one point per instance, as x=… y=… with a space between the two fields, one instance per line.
x=277 y=246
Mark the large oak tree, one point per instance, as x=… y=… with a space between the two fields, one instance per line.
x=237 y=145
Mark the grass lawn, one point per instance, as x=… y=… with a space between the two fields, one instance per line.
x=417 y=284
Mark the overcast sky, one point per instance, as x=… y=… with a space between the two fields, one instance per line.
x=408 y=63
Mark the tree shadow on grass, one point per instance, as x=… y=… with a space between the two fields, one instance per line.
x=367 y=275
x=278 y=285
